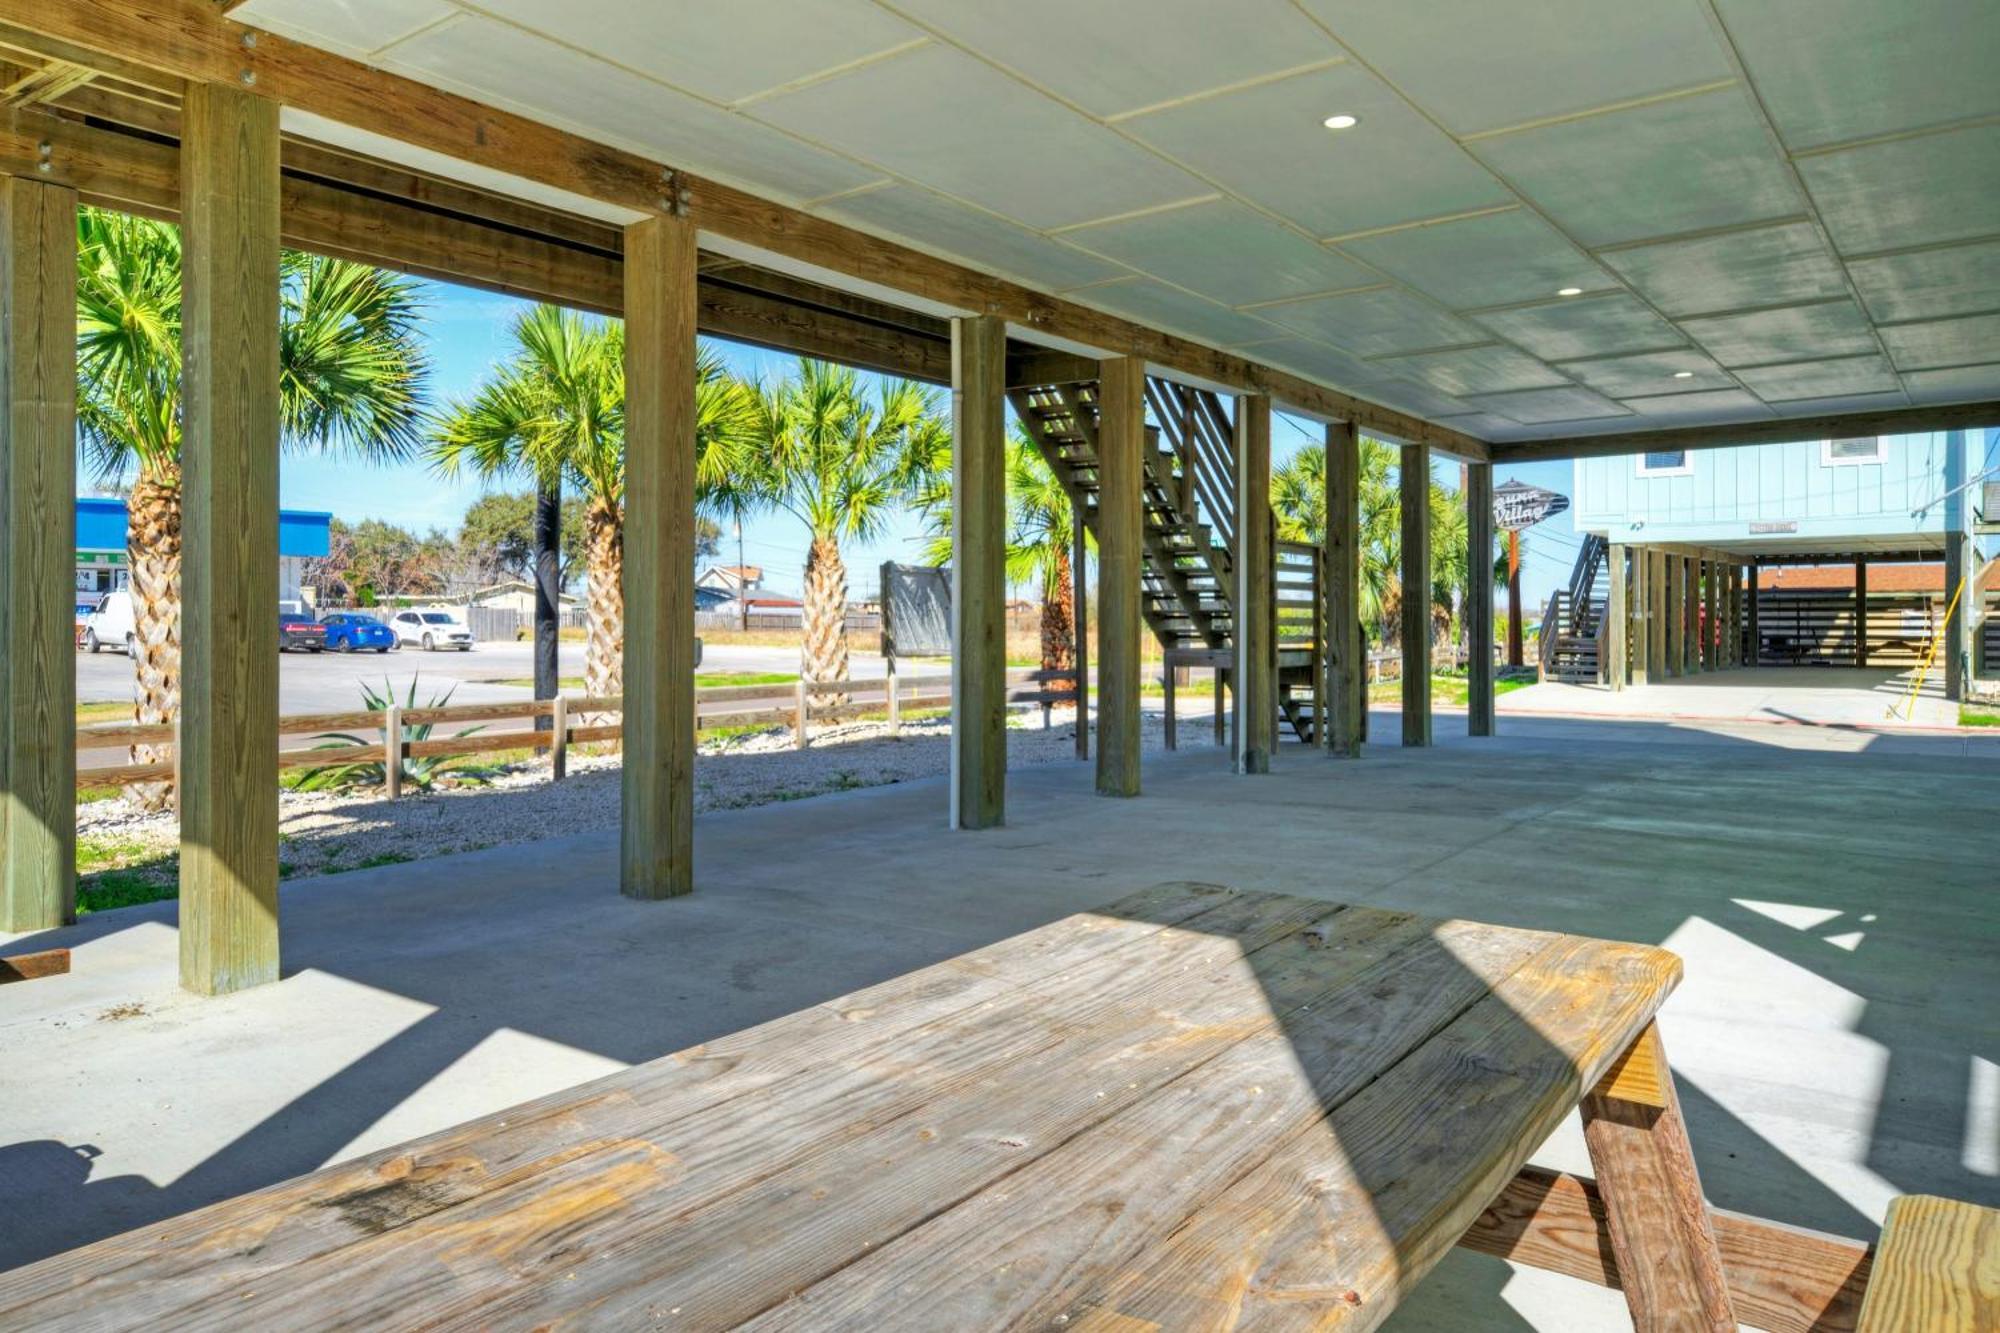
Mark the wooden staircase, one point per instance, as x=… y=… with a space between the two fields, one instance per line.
x=1189 y=517
x=1572 y=638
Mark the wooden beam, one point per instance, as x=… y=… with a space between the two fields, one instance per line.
x=1121 y=443
x=1479 y=598
x=1256 y=668
x=979 y=573
x=656 y=841
x=33 y=966
x=1894 y=421
x=229 y=567
x=1781 y=1279
x=191 y=40
x=1415 y=483
x=37 y=554
x=1347 y=679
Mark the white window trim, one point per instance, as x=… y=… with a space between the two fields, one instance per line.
x=1686 y=469
x=1880 y=456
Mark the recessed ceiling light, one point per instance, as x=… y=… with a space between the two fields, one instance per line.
x=1570 y=291
x=1683 y=374
x=1340 y=122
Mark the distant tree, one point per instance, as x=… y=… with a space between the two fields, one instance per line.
x=499 y=529
x=372 y=560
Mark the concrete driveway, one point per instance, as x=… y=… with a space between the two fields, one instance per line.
x=1824 y=696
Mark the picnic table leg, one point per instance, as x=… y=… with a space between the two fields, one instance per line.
x=1659 y=1223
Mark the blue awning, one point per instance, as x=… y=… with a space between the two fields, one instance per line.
x=101 y=526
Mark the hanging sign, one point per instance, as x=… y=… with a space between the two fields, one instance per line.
x=1517 y=505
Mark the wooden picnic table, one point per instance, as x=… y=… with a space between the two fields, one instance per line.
x=1193 y=1108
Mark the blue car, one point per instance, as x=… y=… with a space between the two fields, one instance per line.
x=350 y=633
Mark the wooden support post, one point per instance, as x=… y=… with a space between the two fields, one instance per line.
x=559 y=747
x=801 y=713
x=1416 y=627
x=394 y=746
x=1674 y=588
x=1079 y=583
x=37 y=554
x=656 y=838
x=1861 y=611
x=1256 y=590
x=1639 y=652
x=1121 y=442
x=1660 y=1228
x=1711 y=626
x=229 y=565
x=895 y=695
x=979 y=573
x=1617 y=618
x=1479 y=598
x=1347 y=676
x=1753 y=648
x=1691 y=616
x=1170 y=722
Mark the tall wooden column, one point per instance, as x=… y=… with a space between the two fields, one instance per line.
x=979 y=573
x=1256 y=617
x=1675 y=590
x=1691 y=616
x=1479 y=598
x=1416 y=628
x=1860 y=612
x=37 y=554
x=1753 y=647
x=1346 y=674
x=1711 y=601
x=1639 y=652
x=1617 y=619
x=1121 y=442
x=229 y=562
x=1660 y=638
x=656 y=834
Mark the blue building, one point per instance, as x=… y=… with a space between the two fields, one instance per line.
x=101 y=546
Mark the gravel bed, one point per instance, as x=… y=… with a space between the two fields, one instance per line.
x=327 y=832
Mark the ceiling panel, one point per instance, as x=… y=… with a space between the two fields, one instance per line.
x=1651 y=373
x=351 y=27
x=1176 y=311
x=1965 y=384
x=1309 y=357
x=1795 y=333
x=934 y=222
x=937 y=116
x=1374 y=323
x=1536 y=406
x=1885 y=401
x=510 y=68
x=721 y=52
x=1930 y=284
x=1224 y=251
x=1762 y=266
x=1478 y=65
x=1694 y=408
x=1465 y=370
x=1832 y=70
x=1908 y=192
x=1497 y=259
x=1166 y=49
x=1818 y=379
x=1680 y=165
x=1269 y=144
x=1583 y=326
x=1409 y=396
x=1944 y=342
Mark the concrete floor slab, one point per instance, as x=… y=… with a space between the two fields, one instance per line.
x=1824 y=696
x=1831 y=891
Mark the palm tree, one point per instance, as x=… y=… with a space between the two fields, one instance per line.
x=352 y=375
x=555 y=412
x=1298 y=498
x=841 y=462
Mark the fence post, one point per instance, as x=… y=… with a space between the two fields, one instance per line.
x=559 y=744
x=799 y=718
x=895 y=700
x=392 y=750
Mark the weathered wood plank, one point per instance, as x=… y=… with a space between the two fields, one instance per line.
x=166 y=1267
x=1659 y=1221
x=29 y=966
x=37 y=554
x=979 y=573
x=228 y=747
x=1781 y=1279
x=1357 y=1207
x=1121 y=442
x=1937 y=1269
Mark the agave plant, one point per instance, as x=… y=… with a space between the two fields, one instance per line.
x=421 y=773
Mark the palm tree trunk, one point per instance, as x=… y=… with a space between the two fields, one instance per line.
x=1059 y=615
x=604 y=653
x=825 y=651
x=153 y=555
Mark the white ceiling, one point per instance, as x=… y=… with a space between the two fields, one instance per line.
x=1771 y=207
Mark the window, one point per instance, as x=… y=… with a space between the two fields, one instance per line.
x=1858 y=449
x=1665 y=463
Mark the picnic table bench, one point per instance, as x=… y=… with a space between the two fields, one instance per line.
x=1193 y=1108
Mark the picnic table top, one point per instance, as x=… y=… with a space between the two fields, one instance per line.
x=1195 y=1107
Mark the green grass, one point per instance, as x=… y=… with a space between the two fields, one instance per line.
x=1445 y=689
x=103 y=710
x=120 y=872
x=1968 y=716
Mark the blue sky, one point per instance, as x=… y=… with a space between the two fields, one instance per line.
x=467 y=331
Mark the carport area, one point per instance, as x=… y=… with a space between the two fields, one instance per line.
x=1877 y=697
x=1831 y=1036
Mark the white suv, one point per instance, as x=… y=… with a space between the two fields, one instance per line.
x=436 y=628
